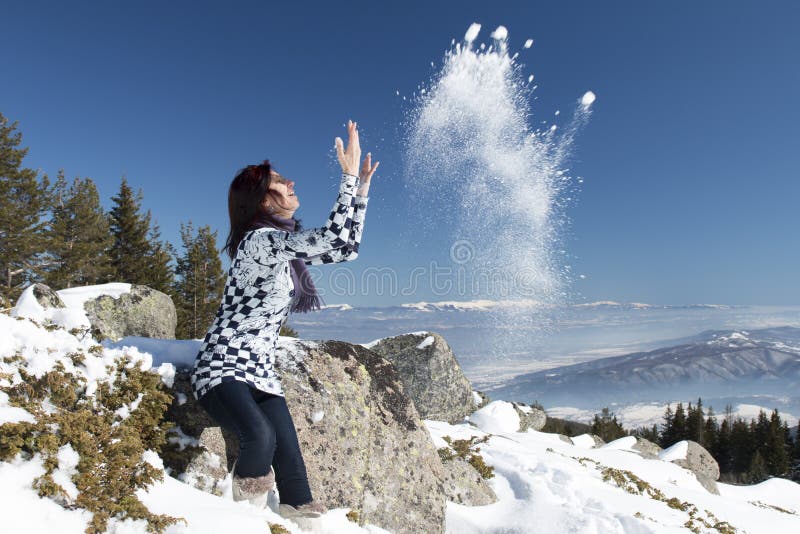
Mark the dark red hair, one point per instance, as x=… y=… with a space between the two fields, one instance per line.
x=245 y=195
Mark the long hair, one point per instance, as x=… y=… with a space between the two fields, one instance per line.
x=247 y=191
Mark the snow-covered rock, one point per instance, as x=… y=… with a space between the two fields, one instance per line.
x=431 y=374
x=693 y=456
x=112 y=310
x=530 y=417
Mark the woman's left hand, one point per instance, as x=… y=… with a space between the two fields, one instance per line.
x=367 y=170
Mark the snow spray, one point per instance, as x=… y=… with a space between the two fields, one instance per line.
x=477 y=164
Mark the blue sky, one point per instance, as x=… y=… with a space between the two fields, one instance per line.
x=690 y=161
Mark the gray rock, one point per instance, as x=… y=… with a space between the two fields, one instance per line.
x=464 y=485
x=46 y=297
x=598 y=441
x=530 y=418
x=363 y=441
x=565 y=439
x=142 y=312
x=431 y=375
x=700 y=462
x=646 y=448
x=484 y=400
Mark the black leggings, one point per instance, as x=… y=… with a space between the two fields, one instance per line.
x=266 y=436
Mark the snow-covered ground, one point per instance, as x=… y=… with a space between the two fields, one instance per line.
x=547 y=485
x=544 y=484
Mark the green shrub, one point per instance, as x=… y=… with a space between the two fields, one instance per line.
x=111 y=467
x=466 y=449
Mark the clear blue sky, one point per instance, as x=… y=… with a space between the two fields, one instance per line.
x=690 y=161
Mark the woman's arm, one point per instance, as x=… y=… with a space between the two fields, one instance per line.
x=349 y=252
x=280 y=245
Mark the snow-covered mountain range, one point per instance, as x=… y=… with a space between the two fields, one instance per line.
x=714 y=365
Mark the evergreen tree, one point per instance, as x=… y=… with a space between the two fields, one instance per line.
x=668 y=431
x=743 y=447
x=679 y=427
x=130 y=252
x=607 y=427
x=796 y=455
x=711 y=433
x=761 y=431
x=159 y=274
x=775 y=453
x=23 y=204
x=79 y=236
x=650 y=434
x=722 y=450
x=200 y=281
x=695 y=423
x=757 y=470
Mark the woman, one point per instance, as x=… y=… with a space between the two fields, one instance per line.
x=234 y=377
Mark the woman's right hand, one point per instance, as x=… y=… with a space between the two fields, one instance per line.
x=350 y=157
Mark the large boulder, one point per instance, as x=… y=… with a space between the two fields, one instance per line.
x=112 y=313
x=530 y=417
x=142 y=312
x=363 y=441
x=46 y=297
x=694 y=457
x=431 y=375
x=646 y=448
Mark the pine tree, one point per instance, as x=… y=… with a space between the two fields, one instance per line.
x=757 y=470
x=650 y=434
x=130 y=252
x=695 y=423
x=200 y=281
x=668 y=432
x=743 y=447
x=796 y=455
x=761 y=431
x=607 y=427
x=722 y=451
x=775 y=453
x=680 y=429
x=23 y=204
x=79 y=236
x=159 y=274
x=711 y=433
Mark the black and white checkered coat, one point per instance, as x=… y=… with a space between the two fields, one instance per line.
x=240 y=344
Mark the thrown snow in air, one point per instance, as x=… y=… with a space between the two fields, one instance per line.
x=472 y=32
x=476 y=163
x=501 y=33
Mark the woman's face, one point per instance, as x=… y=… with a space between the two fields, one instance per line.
x=281 y=195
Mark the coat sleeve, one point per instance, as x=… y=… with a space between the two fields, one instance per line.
x=279 y=245
x=348 y=252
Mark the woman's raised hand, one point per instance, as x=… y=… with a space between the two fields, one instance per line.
x=367 y=170
x=348 y=158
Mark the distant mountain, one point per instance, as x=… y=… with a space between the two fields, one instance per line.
x=715 y=363
x=492 y=305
